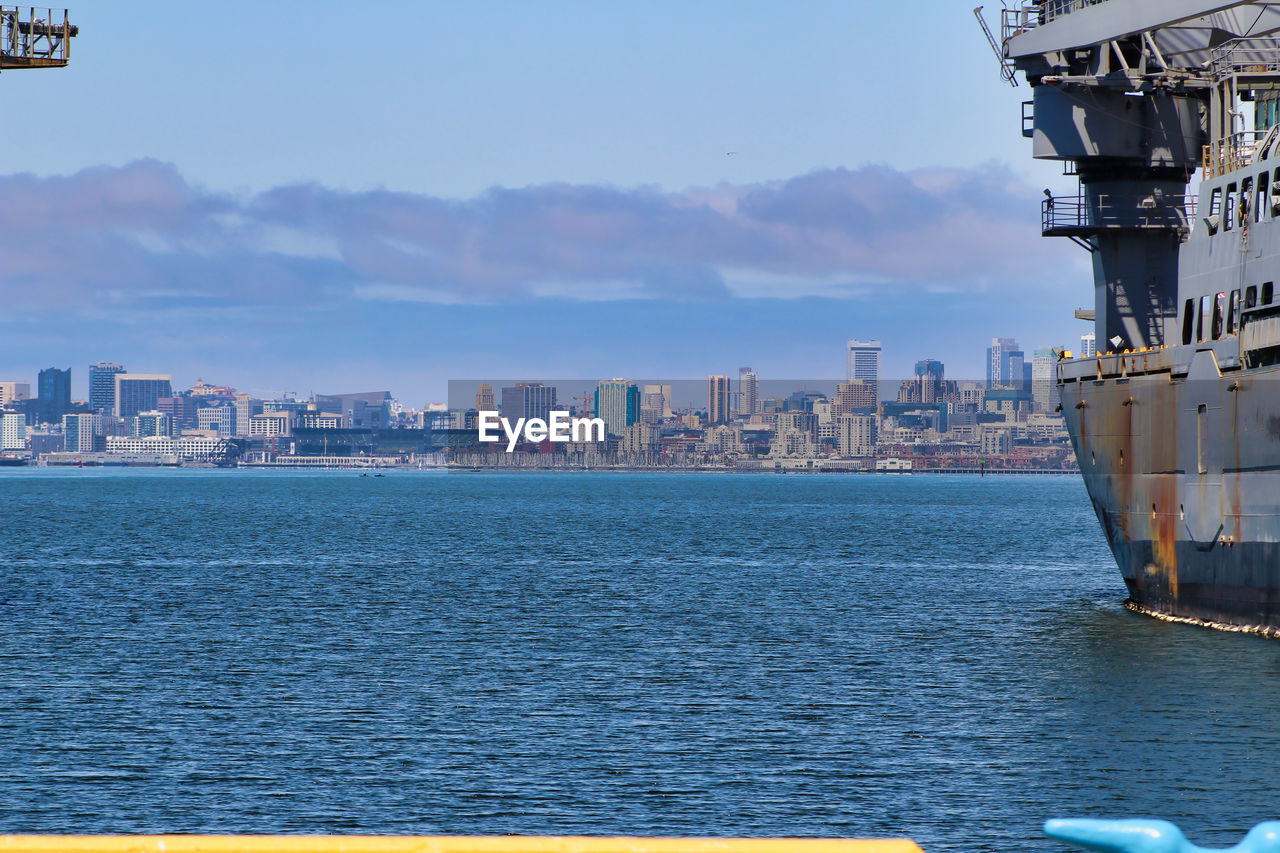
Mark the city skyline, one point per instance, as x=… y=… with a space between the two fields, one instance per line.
x=263 y=239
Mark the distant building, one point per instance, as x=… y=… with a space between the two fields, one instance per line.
x=640 y=437
x=220 y=418
x=53 y=397
x=269 y=424
x=140 y=392
x=655 y=404
x=82 y=433
x=484 y=398
x=102 y=386
x=246 y=407
x=718 y=399
x=363 y=410
x=210 y=393
x=13 y=431
x=182 y=411
x=528 y=400
x=862 y=361
x=858 y=396
x=1088 y=345
x=12 y=392
x=147 y=424
x=1004 y=364
x=1044 y=388
x=617 y=403
x=930 y=380
x=856 y=435
x=748 y=392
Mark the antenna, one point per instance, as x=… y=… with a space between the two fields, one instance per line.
x=1005 y=71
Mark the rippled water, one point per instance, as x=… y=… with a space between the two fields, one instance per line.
x=940 y=657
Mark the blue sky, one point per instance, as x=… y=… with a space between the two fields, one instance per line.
x=326 y=197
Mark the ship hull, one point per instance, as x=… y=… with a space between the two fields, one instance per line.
x=1183 y=470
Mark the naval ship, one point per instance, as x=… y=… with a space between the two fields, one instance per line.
x=1176 y=419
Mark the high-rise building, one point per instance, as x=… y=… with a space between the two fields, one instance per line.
x=13 y=431
x=857 y=396
x=102 y=386
x=1005 y=364
x=655 y=404
x=1044 y=390
x=182 y=411
x=862 y=361
x=484 y=398
x=856 y=435
x=246 y=407
x=717 y=399
x=617 y=403
x=53 y=399
x=748 y=392
x=528 y=400
x=1088 y=345
x=146 y=424
x=12 y=392
x=139 y=392
x=929 y=380
x=82 y=432
x=221 y=418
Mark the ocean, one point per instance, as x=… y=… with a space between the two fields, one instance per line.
x=940 y=657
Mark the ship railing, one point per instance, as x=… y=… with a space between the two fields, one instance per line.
x=1082 y=216
x=35 y=37
x=1251 y=56
x=1032 y=13
x=1234 y=151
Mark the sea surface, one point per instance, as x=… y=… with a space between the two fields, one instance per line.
x=941 y=657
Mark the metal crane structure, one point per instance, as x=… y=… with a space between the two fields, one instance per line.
x=35 y=37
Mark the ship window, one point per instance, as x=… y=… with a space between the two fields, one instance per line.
x=1246 y=199
x=1233 y=314
x=1218 y=304
x=1229 y=215
x=1261 y=199
x=1215 y=202
x=1188 y=321
x=1251 y=296
x=1266 y=292
x=1200 y=318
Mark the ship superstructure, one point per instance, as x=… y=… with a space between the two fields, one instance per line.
x=1176 y=423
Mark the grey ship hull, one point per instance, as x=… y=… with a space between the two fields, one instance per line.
x=1182 y=465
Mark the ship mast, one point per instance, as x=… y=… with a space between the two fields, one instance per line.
x=35 y=37
x=1130 y=96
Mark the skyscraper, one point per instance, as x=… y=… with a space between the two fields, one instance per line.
x=748 y=392
x=82 y=432
x=617 y=403
x=53 y=399
x=655 y=404
x=12 y=392
x=140 y=392
x=929 y=379
x=102 y=386
x=484 y=398
x=1005 y=364
x=1044 y=391
x=862 y=361
x=528 y=400
x=1088 y=345
x=717 y=399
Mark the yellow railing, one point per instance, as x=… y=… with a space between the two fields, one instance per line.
x=438 y=844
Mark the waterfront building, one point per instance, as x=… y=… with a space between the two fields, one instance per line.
x=748 y=392
x=12 y=392
x=269 y=424
x=82 y=432
x=219 y=418
x=13 y=431
x=195 y=446
x=1005 y=364
x=617 y=403
x=862 y=361
x=145 y=424
x=140 y=392
x=528 y=400
x=53 y=398
x=1044 y=390
x=724 y=438
x=159 y=444
x=856 y=435
x=182 y=411
x=484 y=398
x=102 y=386
x=1088 y=345
x=717 y=399
x=362 y=410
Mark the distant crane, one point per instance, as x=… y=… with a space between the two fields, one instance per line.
x=28 y=41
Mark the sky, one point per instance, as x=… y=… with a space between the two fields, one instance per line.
x=321 y=197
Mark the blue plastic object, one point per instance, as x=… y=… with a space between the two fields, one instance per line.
x=1153 y=836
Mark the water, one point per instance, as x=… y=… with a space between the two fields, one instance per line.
x=940 y=657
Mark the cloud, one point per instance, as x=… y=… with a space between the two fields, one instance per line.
x=141 y=238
